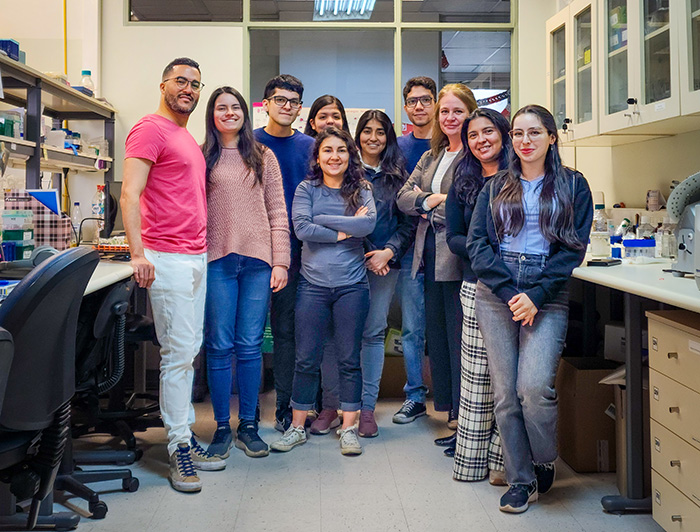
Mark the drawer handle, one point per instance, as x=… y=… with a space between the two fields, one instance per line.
x=676 y=518
x=675 y=463
x=672 y=355
x=674 y=409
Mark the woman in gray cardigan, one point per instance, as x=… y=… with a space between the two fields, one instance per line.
x=424 y=195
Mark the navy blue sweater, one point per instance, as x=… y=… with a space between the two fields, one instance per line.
x=484 y=250
x=394 y=229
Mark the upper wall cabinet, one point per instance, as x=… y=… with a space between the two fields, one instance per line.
x=572 y=71
x=640 y=58
x=690 y=56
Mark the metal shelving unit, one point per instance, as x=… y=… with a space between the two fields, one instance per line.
x=42 y=96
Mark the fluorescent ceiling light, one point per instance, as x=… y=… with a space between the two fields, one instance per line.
x=343 y=9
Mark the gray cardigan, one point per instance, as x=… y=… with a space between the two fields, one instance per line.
x=448 y=266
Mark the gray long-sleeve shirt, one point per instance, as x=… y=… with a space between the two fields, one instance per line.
x=318 y=214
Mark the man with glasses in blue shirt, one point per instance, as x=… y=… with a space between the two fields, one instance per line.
x=419 y=103
x=282 y=103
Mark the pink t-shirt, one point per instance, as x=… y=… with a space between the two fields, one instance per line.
x=173 y=204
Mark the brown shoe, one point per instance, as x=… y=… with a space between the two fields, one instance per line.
x=182 y=474
x=497 y=478
x=368 y=426
x=326 y=420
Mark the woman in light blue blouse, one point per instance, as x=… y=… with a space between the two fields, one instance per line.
x=333 y=210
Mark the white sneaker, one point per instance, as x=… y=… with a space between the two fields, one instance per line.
x=349 y=444
x=291 y=438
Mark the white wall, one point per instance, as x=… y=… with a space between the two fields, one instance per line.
x=133 y=58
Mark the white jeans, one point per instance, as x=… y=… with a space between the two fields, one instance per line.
x=177 y=300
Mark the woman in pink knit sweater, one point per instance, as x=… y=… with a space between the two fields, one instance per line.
x=248 y=253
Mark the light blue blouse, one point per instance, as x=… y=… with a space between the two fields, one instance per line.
x=529 y=239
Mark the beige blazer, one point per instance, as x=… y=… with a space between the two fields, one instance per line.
x=448 y=266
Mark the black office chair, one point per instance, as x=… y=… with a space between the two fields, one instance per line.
x=99 y=367
x=41 y=315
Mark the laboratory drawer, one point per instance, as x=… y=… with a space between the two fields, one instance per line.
x=675 y=407
x=674 y=346
x=676 y=460
x=671 y=509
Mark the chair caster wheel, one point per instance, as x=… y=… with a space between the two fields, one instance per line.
x=139 y=454
x=98 y=510
x=130 y=484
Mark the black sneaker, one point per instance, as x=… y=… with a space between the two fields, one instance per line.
x=221 y=442
x=283 y=419
x=247 y=439
x=409 y=411
x=518 y=497
x=546 y=473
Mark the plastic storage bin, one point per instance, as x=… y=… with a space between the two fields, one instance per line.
x=11 y=47
x=639 y=248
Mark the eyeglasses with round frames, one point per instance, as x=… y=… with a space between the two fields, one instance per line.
x=281 y=101
x=424 y=100
x=533 y=134
x=183 y=82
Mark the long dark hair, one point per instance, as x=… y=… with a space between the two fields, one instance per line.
x=556 y=198
x=439 y=140
x=320 y=103
x=354 y=179
x=251 y=150
x=392 y=161
x=468 y=172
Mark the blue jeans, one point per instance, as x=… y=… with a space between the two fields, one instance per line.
x=381 y=291
x=321 y=314
x=238 y=295
x=413 y=328
x=523 y=362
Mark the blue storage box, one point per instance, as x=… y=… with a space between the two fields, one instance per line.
x=11 y=47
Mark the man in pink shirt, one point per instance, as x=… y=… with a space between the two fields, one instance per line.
x=164 y=209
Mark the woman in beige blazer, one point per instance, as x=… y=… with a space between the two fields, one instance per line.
x=424 y=195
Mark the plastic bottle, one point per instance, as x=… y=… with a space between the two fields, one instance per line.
x=645 y=229
x=98 y=206
x=76 y=216
x=600 y=220
x=86 y=81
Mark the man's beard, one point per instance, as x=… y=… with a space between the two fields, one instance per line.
x=174 y=104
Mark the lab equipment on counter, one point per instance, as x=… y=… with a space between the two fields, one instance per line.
x=682 y=204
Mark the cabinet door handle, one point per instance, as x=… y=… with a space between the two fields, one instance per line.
x=675 y=463
x=673 y=355
x=676 y=518
x=674 y=409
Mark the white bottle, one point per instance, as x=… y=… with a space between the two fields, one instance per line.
x=86 y=81
x=645 y=229
x=76 y=216
x=98 y=207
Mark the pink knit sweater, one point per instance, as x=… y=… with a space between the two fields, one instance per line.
x=244 y=217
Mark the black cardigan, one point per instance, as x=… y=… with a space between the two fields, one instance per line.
x=483 y=245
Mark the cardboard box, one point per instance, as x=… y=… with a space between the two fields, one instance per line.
x=586 y=433
x=394 y=377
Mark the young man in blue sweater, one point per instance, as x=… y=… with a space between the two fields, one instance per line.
x=282 y=102
x=419 y=103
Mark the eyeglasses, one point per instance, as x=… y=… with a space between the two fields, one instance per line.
x=183 y=82
x=533 y=134
x=424 y=100
x=281 y=101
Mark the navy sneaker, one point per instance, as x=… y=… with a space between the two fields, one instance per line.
x=546 y=473
x=283 y=419
x=221 y=442
x=248 y=440
x=518 y=497
x=409 y=411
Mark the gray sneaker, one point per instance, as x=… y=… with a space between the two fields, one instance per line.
x=182 y=474
x=203 y=459
x=349 y=444
x=291 y=438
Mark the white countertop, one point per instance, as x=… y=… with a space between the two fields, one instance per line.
x=107 y=273
x=646 y=280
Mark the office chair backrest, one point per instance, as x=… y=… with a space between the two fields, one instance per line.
x=41 y=314
x=6 y=354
